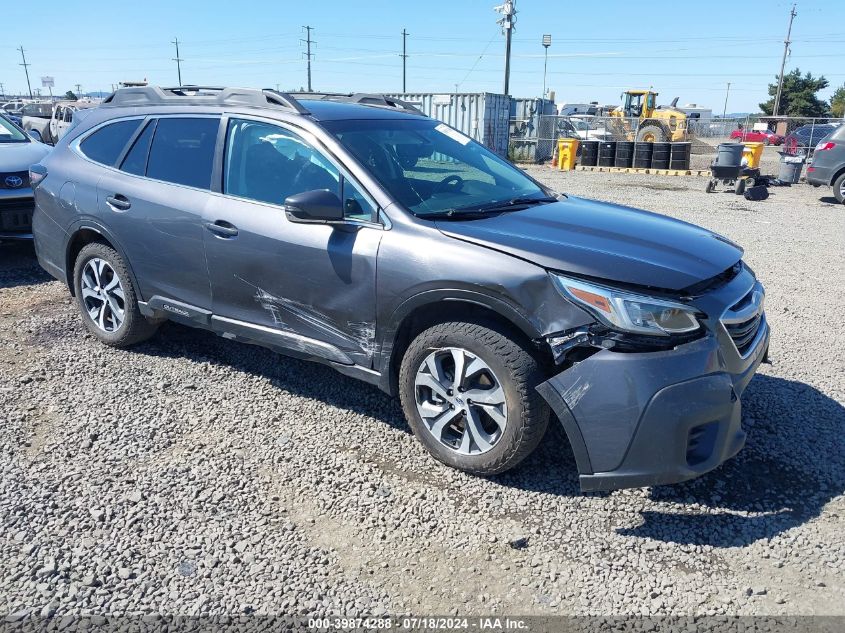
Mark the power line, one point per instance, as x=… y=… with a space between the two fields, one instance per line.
x=308 y=43
x=404 y=57
x=178 y=60
x=26 y=70
x=786 y=43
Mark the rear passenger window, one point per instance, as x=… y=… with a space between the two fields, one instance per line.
x=182 y=151
x=136 y=160
x=105 y=145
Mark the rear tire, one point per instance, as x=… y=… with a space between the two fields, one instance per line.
x=106 y=299
x=839 y=188
x=493 y=364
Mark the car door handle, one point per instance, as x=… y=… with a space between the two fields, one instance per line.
x=119 y=201
x=222 y=228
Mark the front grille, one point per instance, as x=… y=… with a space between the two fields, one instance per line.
x=742 y=320
x=16 y=215
x=13 y=175
x=743 y=333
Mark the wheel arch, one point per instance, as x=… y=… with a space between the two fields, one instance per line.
x=836 y=175
x=427 y=309
x=87 y=232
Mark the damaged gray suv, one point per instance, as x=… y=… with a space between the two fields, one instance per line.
x=354 y=231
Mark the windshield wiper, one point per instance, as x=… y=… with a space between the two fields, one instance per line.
x=488 y=208
x=507 y=205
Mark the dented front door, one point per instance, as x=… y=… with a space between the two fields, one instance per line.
x=314 y=280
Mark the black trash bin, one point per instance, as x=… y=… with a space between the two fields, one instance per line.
x=642 y=154
x=660 y=155
x=680 y=155
x=624 y=154
x=589 y=153
x=607 y=153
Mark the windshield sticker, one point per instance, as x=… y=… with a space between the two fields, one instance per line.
x=453 y=134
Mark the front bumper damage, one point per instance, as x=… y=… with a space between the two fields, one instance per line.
x=652 y=418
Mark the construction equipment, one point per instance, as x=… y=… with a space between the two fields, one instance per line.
x=641 y=119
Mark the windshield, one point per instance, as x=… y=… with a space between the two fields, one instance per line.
x=10 y=133
x=430 y=168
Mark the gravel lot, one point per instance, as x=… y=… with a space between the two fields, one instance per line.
x=196 y=475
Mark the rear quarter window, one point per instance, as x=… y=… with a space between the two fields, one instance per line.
x=105 y=145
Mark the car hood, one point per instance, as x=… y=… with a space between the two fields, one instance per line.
x=602 y=240
x=19 y=156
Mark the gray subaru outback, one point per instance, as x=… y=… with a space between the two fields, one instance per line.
x=354 y=231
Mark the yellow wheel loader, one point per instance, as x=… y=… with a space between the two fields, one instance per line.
x=640 y=119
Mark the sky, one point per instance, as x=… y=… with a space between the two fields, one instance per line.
x=689 y=50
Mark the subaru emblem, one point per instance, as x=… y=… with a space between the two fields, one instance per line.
x=13 y=182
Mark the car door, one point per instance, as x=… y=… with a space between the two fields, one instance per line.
x=155 y=202
x=310 y=287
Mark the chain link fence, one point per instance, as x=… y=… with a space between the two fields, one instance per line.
x=534 y=139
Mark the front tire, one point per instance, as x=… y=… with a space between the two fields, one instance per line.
x=651 y=134
x=469 y=394
x=106 y=298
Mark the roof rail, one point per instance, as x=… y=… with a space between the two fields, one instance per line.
x=361 y=98
x=202 y=95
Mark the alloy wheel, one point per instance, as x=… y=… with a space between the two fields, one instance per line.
x=103 y=295
x=461 y=401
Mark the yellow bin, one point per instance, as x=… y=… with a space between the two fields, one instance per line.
x=567 y=150
x=752 y=153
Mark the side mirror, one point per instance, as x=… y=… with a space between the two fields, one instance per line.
x=319 y=206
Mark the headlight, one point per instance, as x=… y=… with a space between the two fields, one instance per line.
x=629 y=312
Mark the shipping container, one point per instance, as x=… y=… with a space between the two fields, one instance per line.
x=484 y=117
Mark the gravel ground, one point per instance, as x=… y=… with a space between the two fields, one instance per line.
x=196 y=475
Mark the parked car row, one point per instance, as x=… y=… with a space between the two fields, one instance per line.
x=17 y=152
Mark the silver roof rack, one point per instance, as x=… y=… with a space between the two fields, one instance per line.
x=254 y=97
x=202 y=95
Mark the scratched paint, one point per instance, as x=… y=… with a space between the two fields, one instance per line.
x=576 y=392
x=283 y=310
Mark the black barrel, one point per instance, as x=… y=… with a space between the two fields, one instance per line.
x=624 y=154
x=660 y=155
x=680 y=155
x=607 y=153
x=589 y=153
x=642 y=154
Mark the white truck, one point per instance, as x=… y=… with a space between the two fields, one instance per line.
x=49 y=122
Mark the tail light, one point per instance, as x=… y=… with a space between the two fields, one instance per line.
x=822 y=146
x=37 y=173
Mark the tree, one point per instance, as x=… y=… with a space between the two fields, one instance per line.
x=798 y=97
x=837 y=102
x=70 y=96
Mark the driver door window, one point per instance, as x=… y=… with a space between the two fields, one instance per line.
x=267 y=163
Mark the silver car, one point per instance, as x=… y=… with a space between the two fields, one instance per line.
x=17 y=152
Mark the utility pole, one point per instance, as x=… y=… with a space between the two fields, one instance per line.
x=404 y=57
x=507 y=22
x=26 y=70
x=178 y=60
x=786 y=44
x=725 y=109
x=308 y=43
x=547 y=41
x=2 y=91
x=78 y=91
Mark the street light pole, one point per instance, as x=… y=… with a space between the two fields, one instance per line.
x=547 y=41
x=725 y=109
